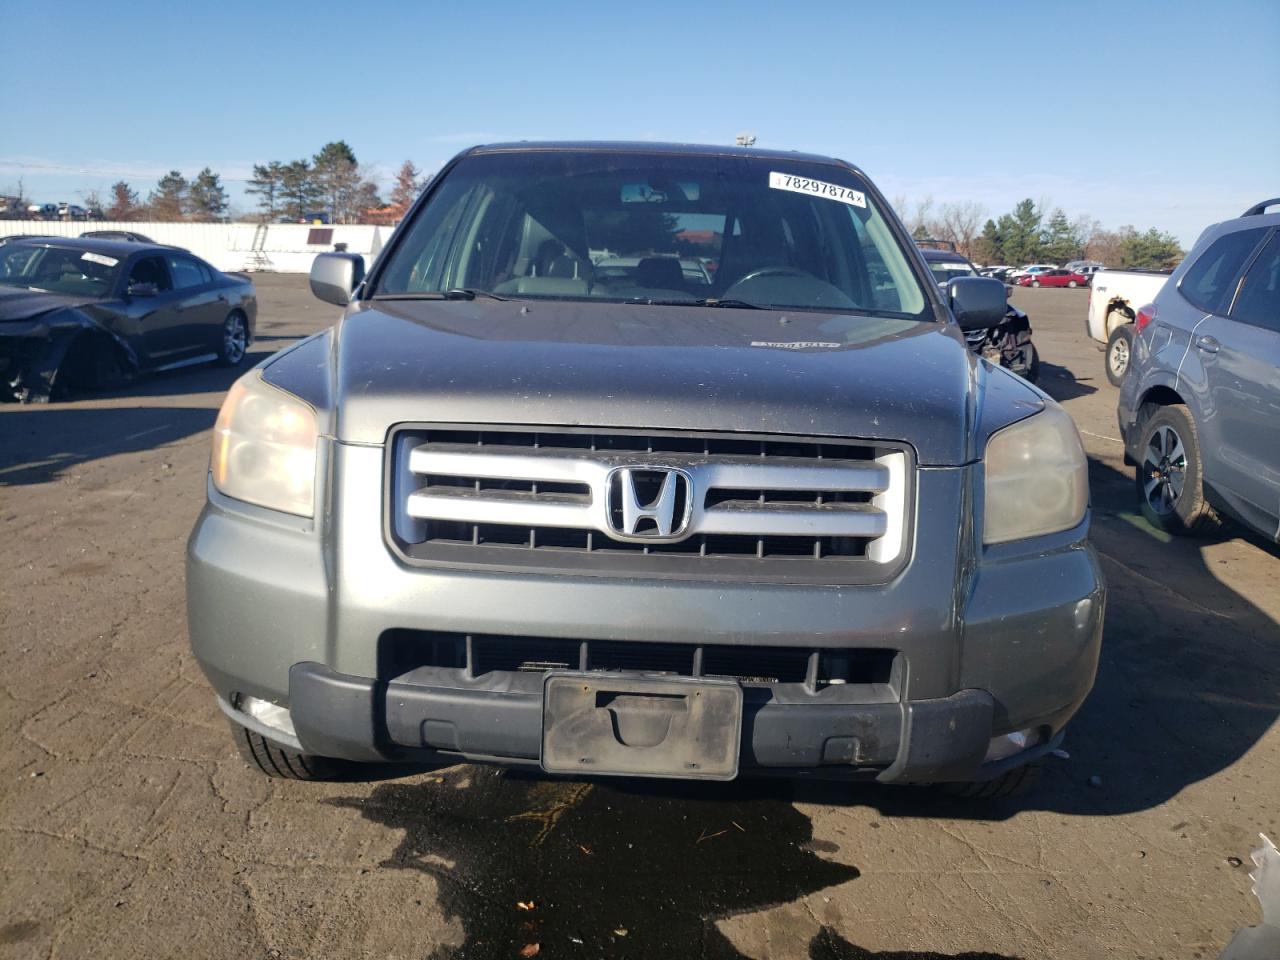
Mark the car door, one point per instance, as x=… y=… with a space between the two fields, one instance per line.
x=1240 y=357
x=151 y=306
x=200 y=310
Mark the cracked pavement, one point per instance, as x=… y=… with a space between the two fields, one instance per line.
x=129 y=826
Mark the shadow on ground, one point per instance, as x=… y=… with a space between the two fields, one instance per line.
x=618 y=869
x=41 y=442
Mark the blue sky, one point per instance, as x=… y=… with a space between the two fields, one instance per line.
x=1155 y=114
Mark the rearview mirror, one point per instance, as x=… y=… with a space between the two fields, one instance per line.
x=143 y=290
x=335 y=275
x=977 y=302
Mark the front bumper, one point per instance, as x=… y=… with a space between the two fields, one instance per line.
x=284 y=611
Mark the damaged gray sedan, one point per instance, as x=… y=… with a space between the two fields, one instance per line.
x=84 y=313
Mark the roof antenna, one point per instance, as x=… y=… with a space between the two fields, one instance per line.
x=745 y=139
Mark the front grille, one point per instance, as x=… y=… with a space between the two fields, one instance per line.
x=480 y=655
x=649 y=502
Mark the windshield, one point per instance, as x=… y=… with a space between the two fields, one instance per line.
x=945 y=271
x=640 y=228
x=58 y=269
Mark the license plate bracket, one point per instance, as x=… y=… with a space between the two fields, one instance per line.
x=620 y=725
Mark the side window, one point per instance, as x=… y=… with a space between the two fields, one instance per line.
x=186 y=272
x=1259 y=299
x=151 y=270
x=1211 y=281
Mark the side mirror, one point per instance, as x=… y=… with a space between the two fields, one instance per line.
x=977 y=302
x=143 y=290
x=335 y=275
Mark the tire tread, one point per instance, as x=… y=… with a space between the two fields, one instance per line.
x=281 y=764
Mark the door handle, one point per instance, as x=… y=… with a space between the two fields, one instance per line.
x=1208 y=344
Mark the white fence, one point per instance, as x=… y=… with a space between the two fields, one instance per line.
x=275 y=247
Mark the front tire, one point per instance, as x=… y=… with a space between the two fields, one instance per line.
x=281 y=764
x=1011 y=783
x=1072 y=284
x=1169 y=476
x=233 y=344
x=1035 y=283
x=1119 y=354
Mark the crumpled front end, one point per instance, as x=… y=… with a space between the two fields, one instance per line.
x=34 y=353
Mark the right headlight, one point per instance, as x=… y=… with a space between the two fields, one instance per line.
x=264 y=447
x=1037 y=478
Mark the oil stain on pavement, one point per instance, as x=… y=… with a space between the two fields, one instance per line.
x=606 y=869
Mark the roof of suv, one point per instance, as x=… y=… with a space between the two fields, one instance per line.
x=943 y=256
x=647 y=147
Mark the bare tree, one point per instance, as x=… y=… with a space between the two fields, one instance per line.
x=921 y=219
x=960 y=223
x=1087 y=230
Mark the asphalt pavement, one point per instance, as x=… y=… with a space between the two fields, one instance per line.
x=130 y=827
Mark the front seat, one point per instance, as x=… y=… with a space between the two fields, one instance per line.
x=659 y=273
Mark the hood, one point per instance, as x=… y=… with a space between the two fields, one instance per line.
x=19 y=303
x=679 y=368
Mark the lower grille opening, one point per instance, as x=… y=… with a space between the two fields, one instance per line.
x=401 y=651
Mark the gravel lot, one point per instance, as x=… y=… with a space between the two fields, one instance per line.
x=129 y=827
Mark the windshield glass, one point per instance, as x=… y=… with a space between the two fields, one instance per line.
x=655 y=228
x=947 y=270
x=58 y=269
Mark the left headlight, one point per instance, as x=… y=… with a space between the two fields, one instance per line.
x=1037 y=478
x=264 y=447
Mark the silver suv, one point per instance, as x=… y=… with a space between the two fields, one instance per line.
x=519 y=506
x=1200 y=407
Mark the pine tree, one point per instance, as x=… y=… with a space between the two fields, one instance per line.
x=1150 y=250
x=337 y=178
x=124 y=202
x=168 y=201
x=207 y=199
x=297 y=189
x=1060 y=242
x=267 y=183
x=989 y=247
x=1021 y=233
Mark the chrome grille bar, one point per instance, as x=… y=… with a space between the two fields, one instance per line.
x=797 y=497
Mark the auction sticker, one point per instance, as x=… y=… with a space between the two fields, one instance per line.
x=797 y=344
x=99 y=258
x=816 y=188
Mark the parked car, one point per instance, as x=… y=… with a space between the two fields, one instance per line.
x=1114 y=299
x=1006 y=344
x=77 y=313
x=787 y=523
x=1083 y=266
x=1200 y=408
x=1030 y=269
x=998 y=271
x=1053 y=278
x=130 y=235
x=15 y=237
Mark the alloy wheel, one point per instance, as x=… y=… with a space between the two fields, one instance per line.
x=1118 y=358
x=1164 y=470
x=235 y=339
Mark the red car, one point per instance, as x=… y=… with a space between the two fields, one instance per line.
x=1054 y=278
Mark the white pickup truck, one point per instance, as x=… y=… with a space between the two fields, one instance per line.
x=1114 y=300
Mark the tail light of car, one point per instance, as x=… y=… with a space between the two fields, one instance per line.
x=1145 y=316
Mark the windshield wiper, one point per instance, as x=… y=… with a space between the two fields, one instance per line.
x=453 y=293
x=730 y=302
x=699 y=302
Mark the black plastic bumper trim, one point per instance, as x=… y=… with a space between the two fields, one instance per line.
x=357 y=718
